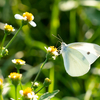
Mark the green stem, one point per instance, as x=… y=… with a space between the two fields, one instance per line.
x=13 y=37
x=18 y=70
x=51 y=86
x=39 y=72
x=2 y=45
x=39 y=90
x=3 y=40
x=1 y=98
x=15 y=92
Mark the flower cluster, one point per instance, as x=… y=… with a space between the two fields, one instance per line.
x=28 y=94
x=16 y=77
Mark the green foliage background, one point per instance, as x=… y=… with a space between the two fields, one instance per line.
x=79 y=22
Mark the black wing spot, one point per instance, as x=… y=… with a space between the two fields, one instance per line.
x=88 y=53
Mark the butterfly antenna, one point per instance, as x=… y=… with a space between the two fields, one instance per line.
x=60 y=38
x=57 y=38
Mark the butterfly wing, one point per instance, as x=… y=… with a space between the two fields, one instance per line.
x=75 y=63
x=89 y=50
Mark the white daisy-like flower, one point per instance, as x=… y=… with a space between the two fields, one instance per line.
x=9 y=28
x=27 y=93
x=26 y=17
x=53 y=51
x=18 y=62
x=15 y=75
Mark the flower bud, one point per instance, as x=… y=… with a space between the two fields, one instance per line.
x=35 y=85
x=4 y=52
x=8 y=29
x=47 y=82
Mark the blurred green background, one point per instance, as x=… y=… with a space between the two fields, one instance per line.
x=74 y=21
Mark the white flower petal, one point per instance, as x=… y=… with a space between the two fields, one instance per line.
x=30 y=95
x=32 y=23
x=36 y=83
x=21 y=92
x=45 y=48
x=32 y=17
x=55 y=53
x=25 y=18
x=13 y=30
x=17 y=16
x=14 y=61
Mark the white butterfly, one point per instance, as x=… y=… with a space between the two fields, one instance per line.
x=79 y=56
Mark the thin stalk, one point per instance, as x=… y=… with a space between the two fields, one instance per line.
x=13 y=37
x=1 y=98
x=18 y=70
x=15 y=92
x=51 y=86
x=2 y=45
x=39 y=71
x=39 y=90
x=3 y=40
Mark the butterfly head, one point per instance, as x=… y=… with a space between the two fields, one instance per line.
x=63 y=47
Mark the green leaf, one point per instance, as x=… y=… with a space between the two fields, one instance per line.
x=48 y=96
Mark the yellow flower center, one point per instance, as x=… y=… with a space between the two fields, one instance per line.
x=19 y=61
x=26 y=91
x=1 y=81
x=15 y=75
x=53 y=49
x=28 y=16
x=9 y=28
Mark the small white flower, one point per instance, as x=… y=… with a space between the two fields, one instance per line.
x=26 y=17
x=18 y=61
x=53 y=51
x=9 y=28
x=27 y=93
x=36 y=83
